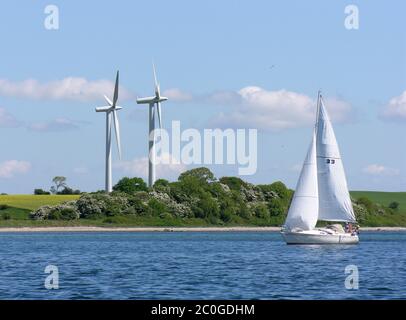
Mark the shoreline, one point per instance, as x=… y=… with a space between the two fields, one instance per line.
x=172 y=229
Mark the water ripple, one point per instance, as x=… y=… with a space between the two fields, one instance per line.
x=229 y=265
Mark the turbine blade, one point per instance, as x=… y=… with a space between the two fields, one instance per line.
x=157 y=91
x=117 y=130
x=108 y=100
x=116 y=90
x=159 y=115
x=153 y=69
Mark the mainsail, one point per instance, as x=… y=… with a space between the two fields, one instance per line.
x=334 y=199
x=303 y=211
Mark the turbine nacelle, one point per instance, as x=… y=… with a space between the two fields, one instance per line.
x=108 y=108
x=151 y=100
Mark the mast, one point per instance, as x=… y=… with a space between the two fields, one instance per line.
x=318 y=109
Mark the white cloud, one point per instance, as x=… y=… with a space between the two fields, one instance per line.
x=7 y=120
x=255 y=107
x=139 y=167
x=396 y=108
x=380 y=170
x=70 y=88
x=11 y=167
x=178 y=95
x=59 y=124
x=276 y=110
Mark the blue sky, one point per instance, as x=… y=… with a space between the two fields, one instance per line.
x=214 y=62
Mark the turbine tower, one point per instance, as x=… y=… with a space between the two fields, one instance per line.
x=111 y=111
x=154 y=101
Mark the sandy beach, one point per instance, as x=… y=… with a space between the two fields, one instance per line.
x=170 y=229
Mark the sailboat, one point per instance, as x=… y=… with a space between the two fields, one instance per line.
x=321 y=193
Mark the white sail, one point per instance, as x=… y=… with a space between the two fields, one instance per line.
x=334 y=199
x=303 y=210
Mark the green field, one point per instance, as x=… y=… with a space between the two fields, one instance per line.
x=33 y=202
x=383 y=198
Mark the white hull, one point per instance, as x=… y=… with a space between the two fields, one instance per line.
x=318 y=236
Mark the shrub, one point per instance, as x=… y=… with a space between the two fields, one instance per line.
x=277 y=188
x=208 y=207
x=214 y=220
x=54 y=215
x=64 y=211
x=361 y=212
x=275 y=207
x=4 y=206
x=368 y=204
x=261 y=211
x=142 y=196
x=165 y=215
x=115 y=205
x=130 y=211
x=136 y=206
x=394 y=205
x=156 y=207
x=228 y=209
x=233 y=183
x=243 y=211
x=6 y=216
x=41 y=213
x=226 y=215
x=90 y=206
x=162 y=185
x=69 y=213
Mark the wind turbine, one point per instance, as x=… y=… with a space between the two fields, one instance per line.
x=111 y=111
x=153 y=101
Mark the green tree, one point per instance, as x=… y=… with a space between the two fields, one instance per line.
x=202 y=174
x=233 y=183
x=280 y=189
x=59 y=182
x=130 y=185
x=162 y=185
x=40 y=192
x=68 y=190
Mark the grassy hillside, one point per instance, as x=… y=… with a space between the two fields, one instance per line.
x=33 y=202
x=383 y=198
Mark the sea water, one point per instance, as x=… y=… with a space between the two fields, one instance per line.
x=199 y=265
